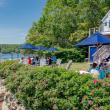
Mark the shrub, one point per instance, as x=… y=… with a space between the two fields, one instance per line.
x=76 y=55
x=45 y=88
x=95 y=96
x=8 y=67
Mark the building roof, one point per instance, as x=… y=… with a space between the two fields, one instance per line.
x=106 y=16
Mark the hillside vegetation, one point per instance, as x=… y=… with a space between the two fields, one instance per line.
x=7 y=48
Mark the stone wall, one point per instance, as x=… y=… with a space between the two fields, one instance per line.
x=7 y=100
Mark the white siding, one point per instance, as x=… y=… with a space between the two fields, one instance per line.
x=105 y=26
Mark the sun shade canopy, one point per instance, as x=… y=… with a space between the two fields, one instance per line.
x=95 y=39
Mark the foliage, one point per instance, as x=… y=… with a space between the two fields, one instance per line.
x=8 y=67
x=76 y=55
x=44 y=88
x=64 y=22
x=95 y=96
x=7 y=48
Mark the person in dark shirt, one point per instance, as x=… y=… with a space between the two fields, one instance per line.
x=49 y=61
x=107 y=59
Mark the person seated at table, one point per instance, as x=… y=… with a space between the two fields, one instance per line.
x=102 y=74
x=97 y=72
x=94 y=71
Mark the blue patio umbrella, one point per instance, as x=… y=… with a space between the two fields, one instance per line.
x=52 y=49
x=27 y=46
x=95 y=39
x=39 y=48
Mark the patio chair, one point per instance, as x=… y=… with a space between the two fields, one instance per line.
x=68 y=65
x=58 y=63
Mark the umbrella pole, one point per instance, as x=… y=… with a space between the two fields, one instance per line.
x=89 y=54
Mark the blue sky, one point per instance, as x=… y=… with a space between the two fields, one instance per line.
x=16 y=18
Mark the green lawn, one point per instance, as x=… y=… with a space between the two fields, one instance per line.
x=80 y=66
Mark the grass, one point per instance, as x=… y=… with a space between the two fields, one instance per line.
x=80 y=66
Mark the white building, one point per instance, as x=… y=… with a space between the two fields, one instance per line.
x=104 y=51
x=105 y=26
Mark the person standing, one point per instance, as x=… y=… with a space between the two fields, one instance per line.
x=49 y=61
x=33 y=60
x=29 y=61
x=37 y=60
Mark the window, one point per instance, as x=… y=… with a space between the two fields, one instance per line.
x=105 y=23
x=109 y=23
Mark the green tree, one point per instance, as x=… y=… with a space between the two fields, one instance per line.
x=65 y=22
